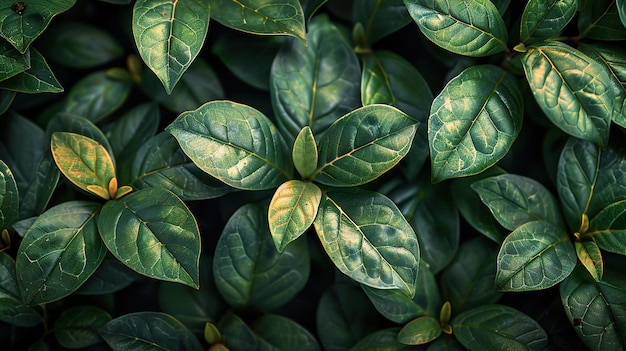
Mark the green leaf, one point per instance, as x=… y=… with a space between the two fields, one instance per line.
x=600 y=20
x=304 y=153
x=234 y=143
x=373 y=138
x=466 y=27
x=283 y=333
x=536 y=255
x=12 y=308
x=314 y=84
x=368 y=239
x=84 y=162
x=9 y=197
x=6 y=99
x=249 y=272
x=38 y=78
x=474 y=121
x=111 y=276
x=276 y=17
x=169 y=35
x=621 y=10
x=12 y=61
x=152 y=232
x=148 y=331
x=236 y=335
x=385 y=339
x=292 y=211
x=590 y=256
x=515 y=200
x=67 y=122
x=21 y=29
x=78 y=327
x=543 y=20
x=499 y=325
x=420 y=331
x=59 y=252
x=608 y=228
x=380 y=17
x=133 y=129
x=572 y=89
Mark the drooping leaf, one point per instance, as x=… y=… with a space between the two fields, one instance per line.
x=169 y=35
x=234 y=143
x=590 y=256
x=9 y=197
x=314 y=84
x=78 y=327
x=283 y=333
x=59 y=252
x=380 y=17
x=148 y=330
x=600 y=19
x=153 y=232
x=38 y=78
x=368 y=239
x=304 y=153
x=420 y=331
x=373 y=139
x=12 y=61
x=12 y=308
x=474 y=121
x=467 y=27
x=543 y=20
x=536 y=255
x=276 y=17
x=608 y=228
x=249 y=272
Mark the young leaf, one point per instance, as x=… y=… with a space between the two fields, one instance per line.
x=169 y=35
x=543 y=20
x=77 y=327
x=536 y=255
x=373 y=139
x=608 y=228
x=474 y=121
x=12 y=61
x=368 y=239
x=283 y=333
x=573 y=90
x=59 y=252
x=499 y=325
x=590 y=256
x=467 y=27
x=152 y=232
x=12 y=308
x=38 y=78
x=148 y=330
x=380 y=18
x=84 y=162
x=600 y=20
x=249 y=272
x=235 y=144
x=9 y=197
x=304 y=153
x=278 y=17
x=420 y=331
x=292 y=211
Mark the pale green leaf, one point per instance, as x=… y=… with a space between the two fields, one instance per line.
x=36 y=79
x=590 y=256
x=420 y=331
x=304 y=153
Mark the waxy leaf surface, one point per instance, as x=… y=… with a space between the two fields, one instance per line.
x=542 y=19
x=38 y=78
x=608 y=228
x=9 y=197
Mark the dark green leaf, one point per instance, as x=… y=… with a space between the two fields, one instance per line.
x=474 y=121
x=152 y=232
x=600 y=19
x=385 y=339
x=446 y=343
x=12 y=309
x=311 y=6
x=133 y=129
x=67 y=122
x=9 y=197
x=621 y=10
x=59 y=252
x=284 y=334
x=148 y=331
x=543 y=20
x=111 y=276
x=78 y=327
x=608 y=228
x=6 y=99
x=466 y=27
x=36 y=79
x=12 y=62
x=304 y=153
x=236 y=335
x=234 y=143
x=380 y=17
x=420 y=331
x=249 y=272
x=536 y=255
x=590 y=256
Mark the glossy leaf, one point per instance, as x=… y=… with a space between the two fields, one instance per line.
x=13 y=62
x=373 y=138
x=590 y=256
x=608 y=228
x=314 y=84
x=22 y=29
x=504 y=326
x=78 y=327
x=59 y=252
x=235 y=144
x=621 y=10
x=380 y=18
x=249 y=272
x=110 y=277
x=292 y=211
x=12 y=308
x=543 y=20
x=38 y=78
x=148 y=330
x=84 y=162
x=283 y=333
x=304 y=153
x=467 y=27
x=67 y=122
x=536 y=255
x=474 y=121
x=572 y=89
x=420 y=331
x=368 y=239
x=276 y=17
x=133 y=129
x=169 y=35
x=600 y=19
x=152 y=232
x=9 y=197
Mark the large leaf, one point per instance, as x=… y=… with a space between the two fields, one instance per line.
x=572 y=89
x=38 y=78
x=542 y=19
x=484 y=327
x=266 y=17
x=474 y=121
x=234 y=143
x=13 y=62
x=59 y=252
x=9 y=197
x=380 y=18
x=148 y=331
x=368 y=239
x=78 y=327
x=249 y=272
x=373 y=139
x=536 y=255
x=608 y=228
x=21 y=26
x=169 y=35
x=12 y=308
x=600 y=19
x=314 y=84
x=152 y=232
x=466 y=27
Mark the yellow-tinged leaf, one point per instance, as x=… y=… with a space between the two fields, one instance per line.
x=112 y=187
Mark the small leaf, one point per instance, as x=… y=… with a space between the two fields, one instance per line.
x=304 y=153
x=212 y=334
x=608 y=228
x=292 y=211
x=9 y=197
x=590 y=256
x=84 y=162
x=474 y=121
x=12 y=308
x=12 y=61
x=78 y=327
x=420 y=331
x=36 y=79
x=380 y=18
x=543 y=20
x=152 y=232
